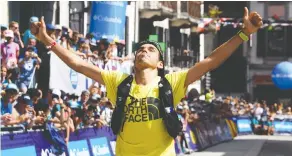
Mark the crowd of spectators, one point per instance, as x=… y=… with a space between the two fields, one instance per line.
x=26 y=98
x=207 y=107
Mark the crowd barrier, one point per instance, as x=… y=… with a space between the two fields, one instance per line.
x=281 y=124
x=101 y=141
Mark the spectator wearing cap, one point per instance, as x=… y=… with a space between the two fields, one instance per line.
x=55 y=106
x=27 y=67
x=77 y=109
x=25 y=111
x=92 y=52
x=83 y=50
x=27 y=34
x=10 y=53
x=3 y=29
x=51 y=31
x=58 y=33
x=7 y=104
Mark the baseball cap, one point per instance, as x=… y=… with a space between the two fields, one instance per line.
x=33 y=19
x=8 y=33
x=81 y=40
x=50 y=27
x=3 y=27
x=26 y=99
x=74 y=95
x=95 y=97
x=58 y=27
x=56 y=93
x=92 y=42
x=11 y=86
x=179 y=107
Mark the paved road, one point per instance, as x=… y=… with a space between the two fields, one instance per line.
x=252 y=146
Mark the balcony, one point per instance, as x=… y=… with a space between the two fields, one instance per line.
x=187 y=12
x=149 y=9
x=169 y=6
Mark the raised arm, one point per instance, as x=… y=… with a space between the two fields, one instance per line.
x=252 y=22
x=73 y=61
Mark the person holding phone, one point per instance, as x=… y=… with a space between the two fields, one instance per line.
x=27 y=65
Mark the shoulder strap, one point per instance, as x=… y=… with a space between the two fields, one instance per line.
x=118 y=116
x=165 y=93
x=124 y=88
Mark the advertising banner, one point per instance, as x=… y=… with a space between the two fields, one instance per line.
x=202 y=136
x=108 y=19
x=244 y=126
x=283 y=126
x=87 y=142
x=64 y=78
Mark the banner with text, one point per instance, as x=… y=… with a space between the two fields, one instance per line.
x=108 y=19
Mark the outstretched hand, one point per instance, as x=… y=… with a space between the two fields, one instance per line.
x=38 y=29
x=252 y=22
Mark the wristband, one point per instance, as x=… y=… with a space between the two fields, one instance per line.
x=243 y=36
x=52 y=45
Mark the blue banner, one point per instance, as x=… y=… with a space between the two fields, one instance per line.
x=28 y=150
x=100 y=147
x=78 y=148
x=108 y=19
x=244 y=126
x=283 y=126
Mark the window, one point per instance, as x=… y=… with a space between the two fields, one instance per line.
x=76 y=15
x=277 y=10
x=274 y=42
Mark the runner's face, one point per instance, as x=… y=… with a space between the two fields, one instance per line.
x=147 y=56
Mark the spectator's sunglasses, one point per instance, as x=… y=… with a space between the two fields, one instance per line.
x=14 y=27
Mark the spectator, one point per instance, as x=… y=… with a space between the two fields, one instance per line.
x=31 y=44
x=84 y=98
x=279 y=109
x=76 y=108
x=4 y=77
x=14 y=26
x=83 y=50
x=25 y=112
x=288 y=112
x=65 y=39
x=3 y=29
x=10 y=53
x=27 y=67
x=75 y=41
x=106 y=110
x=8 y=112
x=27 y=34
x=58 y=33
x=51 y=31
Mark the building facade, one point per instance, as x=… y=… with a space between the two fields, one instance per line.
x=268 y=47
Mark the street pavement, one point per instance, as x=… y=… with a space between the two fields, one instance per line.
x=251 y=145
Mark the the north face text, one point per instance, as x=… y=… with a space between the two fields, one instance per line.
x=142 y=110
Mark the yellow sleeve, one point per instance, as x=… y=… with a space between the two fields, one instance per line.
x=112 y=79
x=177 y=82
